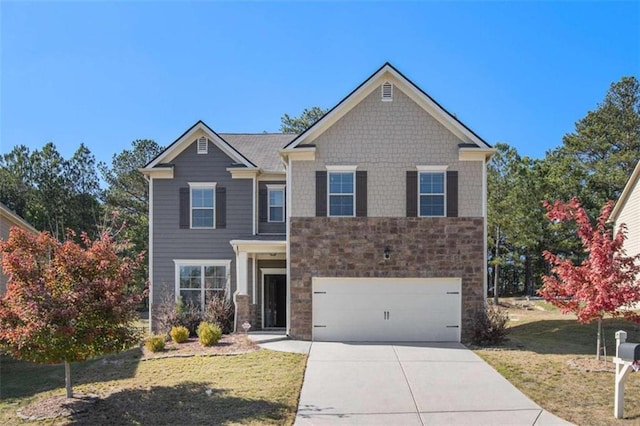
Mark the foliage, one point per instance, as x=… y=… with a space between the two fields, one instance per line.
x=490 y=326
x=219 y=310
x=155 y=343
x=208 y=333
x=605 y=281
x=188 y=315
x=299 y=124
x=50 y=192
x=179 y=334
x=66 y=301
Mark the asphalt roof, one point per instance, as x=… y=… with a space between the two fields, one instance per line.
x=261 y=148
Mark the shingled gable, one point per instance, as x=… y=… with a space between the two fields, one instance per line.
x=626 y=192
x=186 y=139
x=470 y=142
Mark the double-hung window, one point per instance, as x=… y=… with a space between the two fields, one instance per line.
x=197 y=281
x=431 y=187
x=342 y=191
x=203 y=205
x=276 y=203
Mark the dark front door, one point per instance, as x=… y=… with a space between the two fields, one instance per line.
x=275 y=301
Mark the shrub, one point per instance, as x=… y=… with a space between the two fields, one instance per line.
x=188 y=315
x=179 y=334
x=208 y=333
x=154 y=343
x=490 y=326
x=219 y=310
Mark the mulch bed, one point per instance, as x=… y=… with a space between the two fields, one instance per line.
x=58 y=406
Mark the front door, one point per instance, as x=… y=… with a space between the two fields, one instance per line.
x=275 y=301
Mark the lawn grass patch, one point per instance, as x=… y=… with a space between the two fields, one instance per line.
x=540 y=359
x=260 y=387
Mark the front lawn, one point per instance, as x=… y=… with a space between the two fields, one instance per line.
x=550 y=357
x=260 y=387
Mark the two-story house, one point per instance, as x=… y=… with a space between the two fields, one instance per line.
x=370 y=225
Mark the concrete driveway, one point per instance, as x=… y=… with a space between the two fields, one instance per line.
x=409 y=384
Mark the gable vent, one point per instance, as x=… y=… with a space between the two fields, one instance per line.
x=203 y=145
x=387 y=92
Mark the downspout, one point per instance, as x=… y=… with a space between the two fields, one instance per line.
x=484 y=216
x=288 y=208
x=235 y=293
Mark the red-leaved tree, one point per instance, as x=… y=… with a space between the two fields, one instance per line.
x=606 y=282
x=66 y=302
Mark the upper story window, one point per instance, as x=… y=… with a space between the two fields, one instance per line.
x=431 y=186
x=276 y=203
x=342 y=191
x=203 y=208
x=203 y=145
x=198 y=280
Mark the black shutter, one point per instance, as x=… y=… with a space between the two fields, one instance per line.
x=452 y=193
x=263 y=205
x=185 y=209
x=412 y=193
x=321 y=193
x=361 y=193
x=221 y=207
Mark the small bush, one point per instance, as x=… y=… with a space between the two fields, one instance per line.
x=219 y=310
x=490 y=326
x=179 y=334
x=208 y=333
x=188 y=316
x=154 y=343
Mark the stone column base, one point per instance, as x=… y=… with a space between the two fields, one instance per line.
x=243 y=312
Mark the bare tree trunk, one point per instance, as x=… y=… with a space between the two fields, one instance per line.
x=599 y=340
x=495 y=269
x=67 y=379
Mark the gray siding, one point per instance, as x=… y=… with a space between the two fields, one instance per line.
x=265 y=227
x=170 y=242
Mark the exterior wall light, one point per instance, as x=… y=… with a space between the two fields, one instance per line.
x=387 y=253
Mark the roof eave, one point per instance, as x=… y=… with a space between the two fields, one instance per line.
x=622 y=200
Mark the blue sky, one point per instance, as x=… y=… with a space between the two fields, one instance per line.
x=107 y=73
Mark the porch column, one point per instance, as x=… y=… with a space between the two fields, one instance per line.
x=241 y=295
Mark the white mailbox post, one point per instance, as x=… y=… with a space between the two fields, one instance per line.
x=627 y=355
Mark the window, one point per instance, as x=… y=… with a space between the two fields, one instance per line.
x=341 y=193
x=203 y=145
x=431 y=190
x=276 y=203
x=197 y=281
x=203 y=196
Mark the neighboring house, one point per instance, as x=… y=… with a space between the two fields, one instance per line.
x=9 y=219
x=370 y=225
x=627 y=211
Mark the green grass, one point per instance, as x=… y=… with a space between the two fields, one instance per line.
x=256 y=388
x=536 y=360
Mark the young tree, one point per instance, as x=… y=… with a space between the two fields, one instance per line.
x=66 y=302
x=606 y=282
x=299 y=124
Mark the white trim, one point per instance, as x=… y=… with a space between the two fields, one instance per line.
x=382 y=92
x=270 y=271
x=299 y=154
x=626 y=192
x=157 y=172
x=432 y=168
x=254 y=279
x=444 y=192
x=259 y=246
x=150 y=221
x=188 y=138
x=475 y=154
x=288 y=211
x=485 y=283
x=206 y=145
x=202 y=185
x=243 y=172
x=388 y=73
x=201 y=263
x=341 y=168
x=353 y=194
x=254 y=204
x=271 y=187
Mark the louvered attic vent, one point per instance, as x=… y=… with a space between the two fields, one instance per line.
x=387 y=92
x=203 y=145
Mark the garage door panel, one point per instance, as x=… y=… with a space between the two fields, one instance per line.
x=386 y=309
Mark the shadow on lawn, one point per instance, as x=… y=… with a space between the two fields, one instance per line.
x=187 y=403
x=569 y=337
x=21 y=379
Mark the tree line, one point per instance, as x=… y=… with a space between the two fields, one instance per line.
x=593 y=163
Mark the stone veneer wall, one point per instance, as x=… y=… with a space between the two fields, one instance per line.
x=353 y=247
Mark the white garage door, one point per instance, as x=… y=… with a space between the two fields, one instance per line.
x=386 y=309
